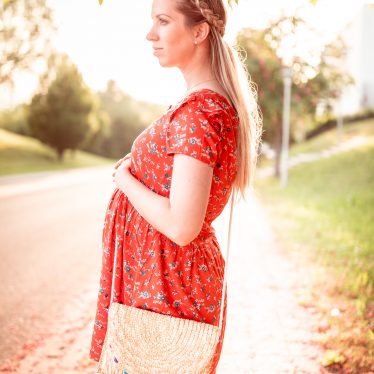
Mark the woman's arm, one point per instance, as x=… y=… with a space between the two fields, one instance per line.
x=181 y=216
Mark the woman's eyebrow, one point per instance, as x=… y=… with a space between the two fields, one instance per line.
x=162 y=14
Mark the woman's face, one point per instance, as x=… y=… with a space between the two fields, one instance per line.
x=172 y=41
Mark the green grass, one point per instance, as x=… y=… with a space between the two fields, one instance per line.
x=328 y=139
x=22 y=154
x=330 y=203
x=326 y=214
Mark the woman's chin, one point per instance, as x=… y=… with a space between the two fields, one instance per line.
x=165 y=65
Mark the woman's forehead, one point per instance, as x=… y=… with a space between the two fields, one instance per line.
x=164 y=7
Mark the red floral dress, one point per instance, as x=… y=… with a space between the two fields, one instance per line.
x=151 y=271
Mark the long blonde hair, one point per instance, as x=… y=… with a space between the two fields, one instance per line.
x=231 y=73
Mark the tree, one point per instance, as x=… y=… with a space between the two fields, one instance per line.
x=311 y=83
x=125 y=122
x=14 y=120
x=100 y=124
x=26 y=27
x=61 y=118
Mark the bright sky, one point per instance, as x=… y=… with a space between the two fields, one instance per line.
x=108 y=41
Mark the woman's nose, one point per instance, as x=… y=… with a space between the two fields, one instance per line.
x=151 y=35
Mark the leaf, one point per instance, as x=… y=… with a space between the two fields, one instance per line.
x=231 y=1
x=332 y=357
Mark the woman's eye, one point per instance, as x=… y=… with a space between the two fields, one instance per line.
x=163 y=21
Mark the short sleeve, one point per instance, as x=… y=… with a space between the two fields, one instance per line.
x=194 y=130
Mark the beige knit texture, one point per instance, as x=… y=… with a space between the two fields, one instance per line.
x=140 y=341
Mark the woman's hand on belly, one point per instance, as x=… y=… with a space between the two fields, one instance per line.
x=119 y=162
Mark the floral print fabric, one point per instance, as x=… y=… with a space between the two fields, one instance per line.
x=151 y=271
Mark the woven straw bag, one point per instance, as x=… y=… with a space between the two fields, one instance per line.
x=140 y=341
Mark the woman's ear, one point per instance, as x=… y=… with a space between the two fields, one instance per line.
x=201 y=32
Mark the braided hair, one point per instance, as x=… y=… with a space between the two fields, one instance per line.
x=212 y=18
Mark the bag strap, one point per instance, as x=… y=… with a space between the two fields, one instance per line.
x=226 y=265
x=225 y=271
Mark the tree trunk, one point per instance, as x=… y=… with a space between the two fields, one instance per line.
x=60 y=155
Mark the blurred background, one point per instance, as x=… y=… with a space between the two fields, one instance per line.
x=78 y=83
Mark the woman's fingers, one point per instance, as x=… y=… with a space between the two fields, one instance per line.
x=119 y=162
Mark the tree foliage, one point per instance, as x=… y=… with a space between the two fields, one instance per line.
x=125 y=123
x=26 y=27
x=14 y=120
x=311 y=83
x=62 y=117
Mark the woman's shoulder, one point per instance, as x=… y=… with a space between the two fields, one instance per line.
x=205 y=101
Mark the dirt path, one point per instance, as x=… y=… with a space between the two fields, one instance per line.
x=267 y=330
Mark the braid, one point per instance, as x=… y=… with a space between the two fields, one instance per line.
x=212 y=19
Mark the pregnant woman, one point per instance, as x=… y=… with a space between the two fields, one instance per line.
x=179 y=176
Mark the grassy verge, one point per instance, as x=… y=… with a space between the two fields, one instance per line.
x=326 y=215
x=328 y=139
x=22 y=154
